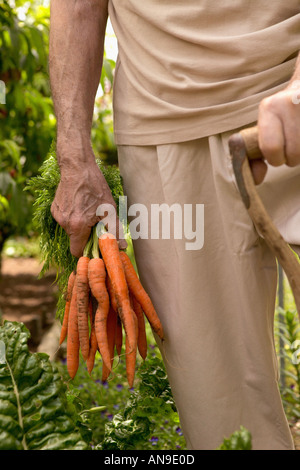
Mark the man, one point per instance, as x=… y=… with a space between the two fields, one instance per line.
x=189 y=74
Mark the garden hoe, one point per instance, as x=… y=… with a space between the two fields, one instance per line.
x=243 y=147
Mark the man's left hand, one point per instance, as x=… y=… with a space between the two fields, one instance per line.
x=279 y=130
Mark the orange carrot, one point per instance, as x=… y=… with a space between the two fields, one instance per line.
x=113 y=301
x=141 y=295
x=73 y=337
x=142 y=337
x=97 y=276
x=131 y=358
x=119 y=336
x=91 y=313
x=93 y=340
x=110 y=253
x=93 y=349
x=82 y=289
x=112 y=295
x=111 y=334
x=64 y=328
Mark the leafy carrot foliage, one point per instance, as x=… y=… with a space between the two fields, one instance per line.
x=54 y=242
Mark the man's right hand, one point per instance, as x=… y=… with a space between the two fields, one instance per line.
x=82 y=189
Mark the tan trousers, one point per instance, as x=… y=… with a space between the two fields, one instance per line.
x=217 y=303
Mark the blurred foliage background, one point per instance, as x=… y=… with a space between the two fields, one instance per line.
x=27 y=121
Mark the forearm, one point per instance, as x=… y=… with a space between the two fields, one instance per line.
x=77 y=32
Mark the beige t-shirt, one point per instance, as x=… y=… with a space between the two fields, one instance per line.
x=192 y=68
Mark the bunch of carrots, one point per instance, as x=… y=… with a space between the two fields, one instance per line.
x=104 y=299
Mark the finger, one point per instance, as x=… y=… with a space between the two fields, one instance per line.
x=107 y=215
x=292 y=143
x=271 y=137
x=78 y=241
x=115 y=227
x=259 y=170
x=123 y=244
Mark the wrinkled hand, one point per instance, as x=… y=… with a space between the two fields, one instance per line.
x=82 y=189
x=279 y=131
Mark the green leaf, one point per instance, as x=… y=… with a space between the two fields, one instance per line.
x=135 y=424
x=239 y=440
x=6 y=183
x=107 y=71
x=2 y=353
x=37 y=42
x=34 y=412
x=18 y=207
x=13 y=150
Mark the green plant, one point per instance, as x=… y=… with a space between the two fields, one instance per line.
x=27 y=123
x=34 y=411
x=41 y=409
x=288 y=329
x=14 y=208
x=239 y=440
x=151 y=401
x=22 y=247
x=102 y=128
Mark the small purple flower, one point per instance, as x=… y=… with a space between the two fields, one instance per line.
x=178 y=430
x=110 y=417
x=119 y=387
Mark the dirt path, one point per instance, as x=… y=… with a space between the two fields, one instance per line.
x=25 y=298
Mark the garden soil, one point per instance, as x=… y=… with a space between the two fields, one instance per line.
x=26 y=298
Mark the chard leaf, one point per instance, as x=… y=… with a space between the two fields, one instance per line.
x=34 y=412
x=130 y=428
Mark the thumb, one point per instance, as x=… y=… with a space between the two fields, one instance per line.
x=115 y=227
x=78 y=241
x=112 y=223
x=259 y=170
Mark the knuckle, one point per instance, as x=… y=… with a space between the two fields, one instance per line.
x=58 y=215
x=267 y=104
x=75 y=224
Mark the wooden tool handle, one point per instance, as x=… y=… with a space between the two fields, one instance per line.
x=261 y=219
x=242 y=145
x=250 y=137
